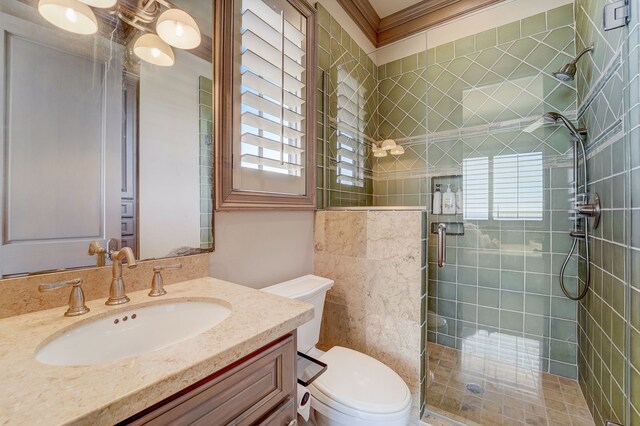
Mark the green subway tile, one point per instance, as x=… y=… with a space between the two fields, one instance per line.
x=536 y=324
x=464 y=46
x=537 y=304
x=635 y=308
x=409 y=63
x=445 y=52
x=560 y=16
x=394 y=68
x=534 y=24
x=511 y=321
x=467 y=312
x=488 y=297
x=564 y=370
x=488 y=277
x=511 y=300
x=563 y=351
x=511 y=280
x=563 y=330
x=634 y=355
x=509 y=32
x=488 y=316
x=486 y=39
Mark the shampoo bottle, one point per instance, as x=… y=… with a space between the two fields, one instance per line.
x=449 y=202
x=437 y=200
x=459 y=201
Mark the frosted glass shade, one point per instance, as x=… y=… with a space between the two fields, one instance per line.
x=397 y=150
x=70 y=15
x=379 y=153
x=177 y=28
x=152 y=49
x=102 y=4
x=388 y=144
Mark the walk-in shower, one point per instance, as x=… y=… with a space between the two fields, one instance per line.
x=583 y=209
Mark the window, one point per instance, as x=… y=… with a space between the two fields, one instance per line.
x=475 y=181
x=517 y=187
x=265 y=68
x=350 y=124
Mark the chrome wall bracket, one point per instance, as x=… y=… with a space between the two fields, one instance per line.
x=616 y=15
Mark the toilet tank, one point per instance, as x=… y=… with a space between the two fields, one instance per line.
x=311 y=289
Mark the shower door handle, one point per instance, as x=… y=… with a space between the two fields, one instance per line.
x=442 y=244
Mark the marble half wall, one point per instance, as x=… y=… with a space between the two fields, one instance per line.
x=374 y=258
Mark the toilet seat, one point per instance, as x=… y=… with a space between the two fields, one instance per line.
x=360 y=386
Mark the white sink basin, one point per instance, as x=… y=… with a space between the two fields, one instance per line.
x=145 y=329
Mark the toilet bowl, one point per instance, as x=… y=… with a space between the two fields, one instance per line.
x=356 y=389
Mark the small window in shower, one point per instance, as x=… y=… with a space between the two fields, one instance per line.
x=475 y=182
x=518 y=187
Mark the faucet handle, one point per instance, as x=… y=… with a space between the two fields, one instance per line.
x=100 y=252
x=76 y=298
x=157 y=288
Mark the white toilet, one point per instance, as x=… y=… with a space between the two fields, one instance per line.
x=355 y=390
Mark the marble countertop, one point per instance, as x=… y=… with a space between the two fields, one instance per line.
x=33 y=393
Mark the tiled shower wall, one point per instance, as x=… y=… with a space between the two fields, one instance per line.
x=609 y=317
x=499 y=287
x=206 y=163
x=350 y=106
x=374 y=258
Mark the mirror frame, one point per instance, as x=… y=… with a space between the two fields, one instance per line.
x=226 y=197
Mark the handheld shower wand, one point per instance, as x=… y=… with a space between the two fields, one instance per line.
x=582 y=208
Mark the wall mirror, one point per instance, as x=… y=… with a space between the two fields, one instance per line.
x=265 y=130
x=106 y=118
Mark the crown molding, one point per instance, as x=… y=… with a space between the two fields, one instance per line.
x=409 y=21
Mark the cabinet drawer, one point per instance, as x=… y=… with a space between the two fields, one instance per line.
x=284 y=415
x=126 y=227
x=239 y=396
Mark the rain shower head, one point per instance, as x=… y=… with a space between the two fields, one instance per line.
x=553 y=117
x=568 y=71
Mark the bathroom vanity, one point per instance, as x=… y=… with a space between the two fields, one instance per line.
x=241 y=370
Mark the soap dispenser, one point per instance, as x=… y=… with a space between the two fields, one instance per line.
x=449 y=202
x=437 y=200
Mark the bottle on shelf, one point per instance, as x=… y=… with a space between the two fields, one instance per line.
x=437 y=200
x=448 y=202
x=459 y=201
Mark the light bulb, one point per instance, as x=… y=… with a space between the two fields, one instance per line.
x=379 y=153
x=388 y=144
x=179 y=29
x=397 y=150
x=152 y=49
x=71 y=15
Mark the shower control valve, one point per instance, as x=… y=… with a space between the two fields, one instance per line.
x=590 y=209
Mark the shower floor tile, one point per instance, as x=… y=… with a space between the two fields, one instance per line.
x=475 y=390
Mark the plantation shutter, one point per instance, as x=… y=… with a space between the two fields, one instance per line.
x=272 y=92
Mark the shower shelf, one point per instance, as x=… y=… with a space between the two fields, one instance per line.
x=453 y=228
x=454 y=180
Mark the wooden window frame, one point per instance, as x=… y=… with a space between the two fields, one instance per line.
x=226 y=197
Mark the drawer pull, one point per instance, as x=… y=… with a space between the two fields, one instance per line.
x=293 y=422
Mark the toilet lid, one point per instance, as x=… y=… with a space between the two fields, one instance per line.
x=359 y=382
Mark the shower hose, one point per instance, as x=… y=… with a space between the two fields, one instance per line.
x=584 y=291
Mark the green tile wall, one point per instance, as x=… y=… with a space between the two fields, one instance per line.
x=352 y=78
x=608 y=94
x=206 y=163
x=500 y=282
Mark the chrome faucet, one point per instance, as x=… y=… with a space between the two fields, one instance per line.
x=117 y=295
x=76 y=298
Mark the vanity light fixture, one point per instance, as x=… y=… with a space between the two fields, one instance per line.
x=150 y=48
x=101 y=4
x=388 y=144
x=178 y=29
x=70 y=15
x=397 y=150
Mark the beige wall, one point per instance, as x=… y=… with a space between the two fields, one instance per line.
x=258 y=249
x=374 y=306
